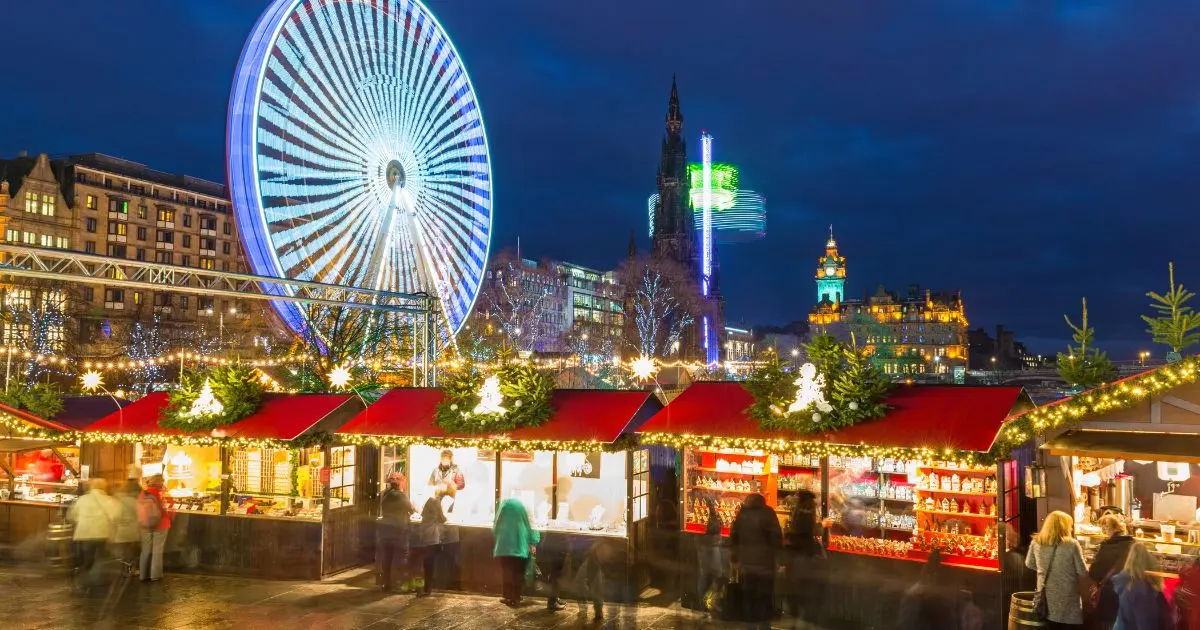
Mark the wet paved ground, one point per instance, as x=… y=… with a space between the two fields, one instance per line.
x=30 y=598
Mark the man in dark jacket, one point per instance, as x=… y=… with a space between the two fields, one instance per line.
x=756 y=540
x=395 y=513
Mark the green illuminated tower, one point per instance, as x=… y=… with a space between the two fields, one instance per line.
x=831 y=273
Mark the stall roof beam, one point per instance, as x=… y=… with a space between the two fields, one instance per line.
x=68 y=266
x=1170 y=447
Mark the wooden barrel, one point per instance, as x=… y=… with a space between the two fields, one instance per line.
x=1020 y=612
x=58 y=544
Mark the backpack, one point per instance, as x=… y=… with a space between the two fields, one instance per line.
x=150 y=511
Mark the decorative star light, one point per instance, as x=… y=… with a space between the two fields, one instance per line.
x=643 y=367
x=810 y=392
x=206 y=404
x=339 y=377
x=490 y=398
x=92 y=381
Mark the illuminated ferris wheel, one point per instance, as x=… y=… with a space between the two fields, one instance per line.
x=357 y=153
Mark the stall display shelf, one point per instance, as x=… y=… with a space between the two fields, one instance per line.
x=724 y=490
x=730 y=472
x=943 y=468
x=968 y=514
x=968 y=494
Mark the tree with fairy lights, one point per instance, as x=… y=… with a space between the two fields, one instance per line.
x=147 y=340
x=662 y=302
x=1084 y=365
x=1176 y=324
x=592 y=347
x=35 y=320
x=517 y=301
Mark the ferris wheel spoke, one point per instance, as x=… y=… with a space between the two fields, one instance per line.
x=323 y=39
x=312 y=72
x=295 y=70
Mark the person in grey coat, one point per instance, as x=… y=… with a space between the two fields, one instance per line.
x=428 y=537
x=1058 y=560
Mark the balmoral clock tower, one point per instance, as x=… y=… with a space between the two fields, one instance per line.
x=831 y=273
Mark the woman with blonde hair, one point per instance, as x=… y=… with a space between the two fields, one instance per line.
x=1140 y=600
x=1058 y=560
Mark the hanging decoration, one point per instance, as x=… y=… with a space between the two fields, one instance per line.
x=840 y=387
x=204 y=401
x=515 y=396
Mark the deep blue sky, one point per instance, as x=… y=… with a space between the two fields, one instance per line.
x=1027 y=152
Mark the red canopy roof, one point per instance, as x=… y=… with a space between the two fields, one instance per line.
x=281 y=416
x=945 y=416
x=36 y=421
x=580 y=415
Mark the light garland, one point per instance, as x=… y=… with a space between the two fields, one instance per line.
x=498 y=443
x=814 y=448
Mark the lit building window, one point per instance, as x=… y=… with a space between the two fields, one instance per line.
x=12 y=236
x=31 y=202
x=90 y=202
x=47 y=240
x=29 y=238
x=48 y=205
x=18 y=298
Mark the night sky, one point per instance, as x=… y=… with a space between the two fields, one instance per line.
x=1027 y=152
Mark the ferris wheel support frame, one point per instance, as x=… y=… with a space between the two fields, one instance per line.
x=419 y=311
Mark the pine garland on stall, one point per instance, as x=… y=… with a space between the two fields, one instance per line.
x=525 y=393
x=235 y=386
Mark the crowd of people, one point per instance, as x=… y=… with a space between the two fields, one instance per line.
x=409 y=548
x=1122 y=590
x=112 y=530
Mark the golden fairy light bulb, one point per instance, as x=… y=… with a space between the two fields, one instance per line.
x=91 y=381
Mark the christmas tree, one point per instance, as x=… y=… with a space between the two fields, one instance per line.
x=1176 y=322
x=859 y=388
x=1084 y=365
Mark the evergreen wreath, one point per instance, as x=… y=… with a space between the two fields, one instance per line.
x=526 y=400
x=853 y=388
x=235 y=386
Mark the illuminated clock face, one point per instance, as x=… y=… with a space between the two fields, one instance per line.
x=829 y=271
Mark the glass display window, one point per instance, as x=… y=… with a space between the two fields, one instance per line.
x=641 y=484
x=392 y=459
x=342 y=473
x=591 y=491
x=873 y=498
x=471 y=473
x=529 y=478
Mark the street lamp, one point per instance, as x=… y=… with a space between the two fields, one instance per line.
x=1142 y=356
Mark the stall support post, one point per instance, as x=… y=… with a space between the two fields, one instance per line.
x=554 y=486
x=326 y=465
x=1001 y=529
x=825 y=499
x=226 y=479
x=499 y=482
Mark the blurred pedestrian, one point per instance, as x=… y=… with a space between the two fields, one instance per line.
x=94 y=515
x=128 y=536
x=395 y=514
x=515 y=541
x=1058 y=560
x=930 y=604
x=805 y=552
x=155 y=522
x=1110 y=560
x=427 y=537
x=552 y=558
x=1141 y=604
x=755 y=541
x=709 y=563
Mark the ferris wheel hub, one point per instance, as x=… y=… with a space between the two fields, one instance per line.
x=394 y=173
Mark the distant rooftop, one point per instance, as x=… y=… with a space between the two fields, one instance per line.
x=129 y=168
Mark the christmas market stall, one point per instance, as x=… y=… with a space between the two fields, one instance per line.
x=900 y=473
x=259 y=491
x=1130 y=448
x=566 y=454
x=39 y=474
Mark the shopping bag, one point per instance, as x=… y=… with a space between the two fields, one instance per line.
x=731 y=602
x=531 y=570
x=714 y=599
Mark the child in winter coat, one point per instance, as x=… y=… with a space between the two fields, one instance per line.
x=1141 y=604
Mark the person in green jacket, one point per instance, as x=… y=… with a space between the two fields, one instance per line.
x=515 y=541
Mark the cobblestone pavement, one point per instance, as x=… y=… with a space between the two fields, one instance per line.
x=34 y=599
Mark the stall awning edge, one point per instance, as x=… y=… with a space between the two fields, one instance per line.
x=1174 y=447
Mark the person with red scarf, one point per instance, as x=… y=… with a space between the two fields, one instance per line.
x=1187 y=598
